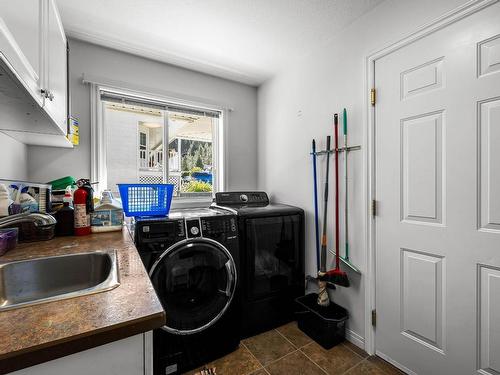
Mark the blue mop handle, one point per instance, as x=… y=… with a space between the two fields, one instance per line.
x=316 y=220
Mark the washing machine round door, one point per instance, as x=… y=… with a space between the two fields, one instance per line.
x=195 y=281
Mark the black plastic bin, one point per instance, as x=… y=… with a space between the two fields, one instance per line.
x=325 y=325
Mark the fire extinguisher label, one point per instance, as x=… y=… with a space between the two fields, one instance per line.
x=82 y=220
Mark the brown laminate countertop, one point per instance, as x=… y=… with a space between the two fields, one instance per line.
x=38 y=333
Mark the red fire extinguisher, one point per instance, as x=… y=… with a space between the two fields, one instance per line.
x=83 y=202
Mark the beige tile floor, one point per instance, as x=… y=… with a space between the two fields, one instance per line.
x=288 y=351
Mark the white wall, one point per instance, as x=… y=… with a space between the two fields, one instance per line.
x=13 y=159
x=46 y=163
x=298 y=104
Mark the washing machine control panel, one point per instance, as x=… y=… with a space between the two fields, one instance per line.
x=216 y=228
x=220 y=227
x=153 y=235
x=193 y=228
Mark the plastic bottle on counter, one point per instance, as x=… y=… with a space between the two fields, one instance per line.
x=108 y=215
x=66 y=216
x=5 y=200
x=27 y=201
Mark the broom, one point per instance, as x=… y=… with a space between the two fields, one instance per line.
x=323 y=298
x=346 y=258
x=337 y=276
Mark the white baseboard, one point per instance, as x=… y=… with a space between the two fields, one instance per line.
x=396 y=364
x=355 y=338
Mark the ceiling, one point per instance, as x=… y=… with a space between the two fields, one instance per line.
x=243 y=40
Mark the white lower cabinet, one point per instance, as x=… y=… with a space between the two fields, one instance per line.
x=130 y=356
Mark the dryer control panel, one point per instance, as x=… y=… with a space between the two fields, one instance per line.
x=241 y=197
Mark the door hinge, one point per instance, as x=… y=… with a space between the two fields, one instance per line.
x=374 y=208
x=373 y=96
x=374 y=318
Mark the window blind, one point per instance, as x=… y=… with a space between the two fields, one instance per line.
x=157 y=104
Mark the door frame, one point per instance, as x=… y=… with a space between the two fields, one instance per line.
x=439 y=23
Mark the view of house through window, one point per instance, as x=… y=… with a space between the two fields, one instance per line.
x=137 y=151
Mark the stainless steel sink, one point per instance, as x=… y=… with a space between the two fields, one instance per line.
x=32 y=281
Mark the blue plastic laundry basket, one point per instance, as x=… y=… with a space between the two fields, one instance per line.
x=146 y=199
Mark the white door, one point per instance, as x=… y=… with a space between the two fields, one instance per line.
x=56 y=68
x=20 y=41
x=437 y=167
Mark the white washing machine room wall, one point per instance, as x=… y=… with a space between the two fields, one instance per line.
x=436 y=167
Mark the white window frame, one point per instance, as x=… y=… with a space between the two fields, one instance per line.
x=98 y=139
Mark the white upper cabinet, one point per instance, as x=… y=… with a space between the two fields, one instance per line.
x=55 y=70
x=20 y=42
x=33 y=73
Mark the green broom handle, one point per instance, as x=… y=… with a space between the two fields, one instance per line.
x=344 y=121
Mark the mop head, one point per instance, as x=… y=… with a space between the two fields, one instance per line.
x=337 y=277
x=323 y=298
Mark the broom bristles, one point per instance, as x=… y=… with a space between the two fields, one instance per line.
x=338 y=277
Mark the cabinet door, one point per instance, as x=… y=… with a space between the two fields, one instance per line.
x=123 y=357
x=20 y=41
x=55 y=81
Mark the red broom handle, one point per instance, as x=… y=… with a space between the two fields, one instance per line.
x=337 y=227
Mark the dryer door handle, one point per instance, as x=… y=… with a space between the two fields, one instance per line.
x=230 y=278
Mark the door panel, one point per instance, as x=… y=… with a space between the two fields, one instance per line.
x=437 y=130
x=489 y=320
x=489 y=56
x=489 y=165
x=422 y=298
x=421 y=79
x=422 y=171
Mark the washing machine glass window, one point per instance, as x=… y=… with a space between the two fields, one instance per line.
x=195 y=280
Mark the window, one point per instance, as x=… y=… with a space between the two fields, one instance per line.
x=148 y=140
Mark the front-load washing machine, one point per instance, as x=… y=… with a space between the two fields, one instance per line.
x=193 y=262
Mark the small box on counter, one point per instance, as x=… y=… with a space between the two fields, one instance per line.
x=23 y=196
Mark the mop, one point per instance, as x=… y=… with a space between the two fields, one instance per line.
x=316 y=214
x=323 y=298
x=310 y=278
